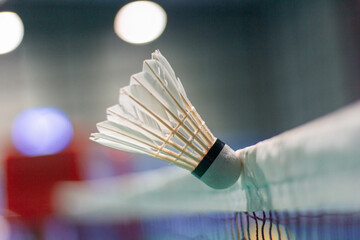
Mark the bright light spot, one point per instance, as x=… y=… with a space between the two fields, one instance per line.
x=11 y=31
x=41 y=131
x=140 y=22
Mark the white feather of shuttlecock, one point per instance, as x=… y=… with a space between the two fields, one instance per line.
x=155 y=117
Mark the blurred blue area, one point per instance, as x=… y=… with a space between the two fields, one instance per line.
x=253 y=225
x=41 y=131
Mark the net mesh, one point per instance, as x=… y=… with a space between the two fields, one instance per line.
x=273 y=225
x=263 y=225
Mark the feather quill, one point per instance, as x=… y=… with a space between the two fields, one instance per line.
x=155 y=117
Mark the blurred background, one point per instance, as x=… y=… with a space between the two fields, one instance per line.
x=252 y=69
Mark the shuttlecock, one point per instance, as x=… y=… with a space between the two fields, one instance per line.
x=155 y=117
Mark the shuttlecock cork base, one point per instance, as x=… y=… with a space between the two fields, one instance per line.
x=155 y=117
x=220 y=167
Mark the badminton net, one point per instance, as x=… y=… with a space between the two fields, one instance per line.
x=301 y=184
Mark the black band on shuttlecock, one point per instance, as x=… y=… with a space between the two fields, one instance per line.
x=208 y=159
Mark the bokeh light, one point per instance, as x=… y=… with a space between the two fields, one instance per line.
x=41 y=131
x=11 y=31
x=140 y=22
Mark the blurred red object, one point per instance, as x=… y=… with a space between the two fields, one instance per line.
x=30 y=181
